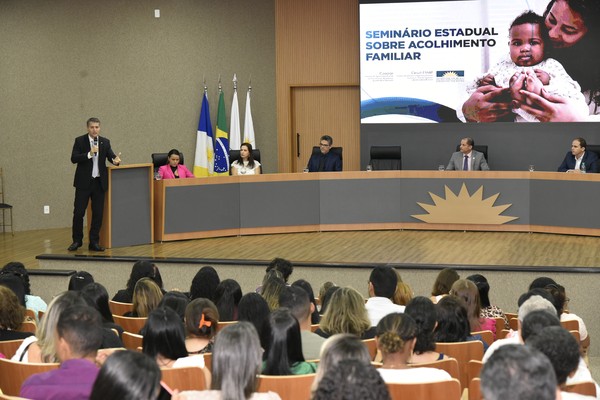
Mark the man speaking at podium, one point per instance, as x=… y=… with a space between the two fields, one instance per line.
x=90 y=153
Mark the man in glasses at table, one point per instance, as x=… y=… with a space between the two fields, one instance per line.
x=325 y=160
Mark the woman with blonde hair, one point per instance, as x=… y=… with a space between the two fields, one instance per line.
x=146 y=297
x=273 y=285
x=403 y=294
x=467 y=291
x=443 y=283
x=396 y=338
x=346 y=313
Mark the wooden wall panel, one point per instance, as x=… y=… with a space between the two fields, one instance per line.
x=316 y=46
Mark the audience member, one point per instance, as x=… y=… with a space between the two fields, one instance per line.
x=176 y=301
x=422 y=311
x=396 y=337
x=326 y=298
x=236 y=364
x=254 y=309
x=315 y=317
x=79 y=336
x=324 y=287
x=541 y=282
x=201 y=323
x=272 y=287
x=12 y=315
x=403 y=294
x=352 y=380
x=96 y=296
x=127 y=375
x=282 y=265
x=562 y=350
x=146 y=297
x=466 y=290
x=15 y=284
x=518 y=373
x=141 y=269
x=283 y=351
x=296 y=300
x=535 y=322
x=205 y=284
x=346 y=313
x=342 y=346
x=382 y=286
x=227 y=297
x=453 y=322
x=79 y=280
x=560 y=302
x=32 y=302
x=325 y=160
x=487 y=309
x=443 y=283
x=164 y=341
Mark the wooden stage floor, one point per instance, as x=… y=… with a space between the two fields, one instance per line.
x=395 y=247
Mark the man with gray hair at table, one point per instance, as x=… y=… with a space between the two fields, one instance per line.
x=467 y=159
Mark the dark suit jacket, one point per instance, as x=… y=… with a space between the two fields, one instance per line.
x=332 y=162
x=590 y=159
x=83 y=173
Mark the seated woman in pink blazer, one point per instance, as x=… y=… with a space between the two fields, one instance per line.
x=174 y=170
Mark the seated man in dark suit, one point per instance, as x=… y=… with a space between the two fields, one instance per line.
x=579 y=160
x=467 y=159
x=326 y=160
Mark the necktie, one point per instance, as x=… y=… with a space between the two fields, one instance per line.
x=95 y=169
x=466 y=163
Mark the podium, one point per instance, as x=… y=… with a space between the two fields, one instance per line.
x=128 y=207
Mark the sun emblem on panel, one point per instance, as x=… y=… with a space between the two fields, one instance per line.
x=450 y=74
x=464 y=209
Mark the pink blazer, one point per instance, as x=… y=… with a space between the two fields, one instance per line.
x=166 y=173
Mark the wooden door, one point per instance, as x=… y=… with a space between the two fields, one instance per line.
x=325 y=110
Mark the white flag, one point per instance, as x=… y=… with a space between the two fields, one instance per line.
x=235 y=134
x=248 y=125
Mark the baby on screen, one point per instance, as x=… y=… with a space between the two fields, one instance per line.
x=527 y=68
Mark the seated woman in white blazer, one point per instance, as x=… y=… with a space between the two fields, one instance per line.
x=174 y=170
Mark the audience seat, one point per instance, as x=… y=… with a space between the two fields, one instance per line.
x=487 y=336
x=30 y=313
x=386 y=158
x=208 y=361
x=514 y=323
x=160 y=159
x=474 y=369
x=13 y=374
x=502 y=334
x=593 y=147
x=441 y=390
x=500 y=324
x=9 y=347
x=223 y=324
x=28 y=326
x=289 y=387
x=130 y=324
x=314 y=327
x=132 y=341
x=463 y=352
x=187 y=378
x=372 y=346
x=510 y=316
x=449 y=365
x=582 y=388
x=572 y=325
x=475 y=389
x=118 y=308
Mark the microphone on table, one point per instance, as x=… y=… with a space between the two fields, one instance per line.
x=95 y=145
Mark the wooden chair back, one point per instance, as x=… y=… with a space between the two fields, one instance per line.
x=130 y=324
x=475 y=389
x=118 y=308
x=514 y=324
x=222 y=325
x=441 y=390
x=582 y=388
x=474 y=369
x=40 y=315
x=13 y=374
x=487 y=336
x=511 y=315
x=502 y=334
x=289 y=387
x=9 y=347
x=30 y=313
x=208 y=361
x=450 y=365
x=572 y=325
x=314 y=327
x=463 y=352
x=28 y=326
x=576 y=335
x=500 y=324
x=187 y=378
x=131 y=341
x=372 y=347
